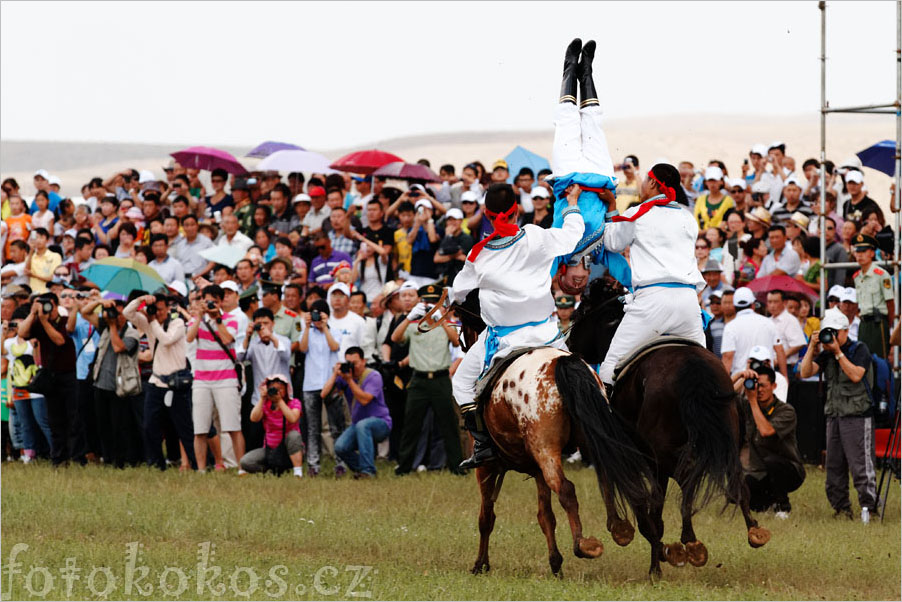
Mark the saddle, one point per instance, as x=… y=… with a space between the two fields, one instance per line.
x=486 y=382
x=663 y=341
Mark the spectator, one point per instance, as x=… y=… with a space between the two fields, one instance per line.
x=754 y=250
x=792 y=203
x=188 y=247
x=746 y=331
x=13 y=272
x=168 y=388
x=453 y=249
x=424 y=238
x=810 y=274
x=757 y=222
x=782 y=260
x=850 y=425
x=716 y=326
x=628 y=186
x=281 y=211
x=267 y=351
x=169 y=269
x=372 y=267
x=286 y=321
x=342 y=236
x=347 y=326
x=564 y=307
x=86 y=337
x=41 y=262
x=370 y=419
x=853 y=209
x=231 y=237
x=318 y=213
x=215 y=380
x=788 y=329
x=540 y=215
x=739 y=193
x=220 y=199
x=57 y=351
x=874 y=293
x=403 y=248
x=18 y=222
x=711 y=206
x=322 y=265
x=281 y=415
x=30 y=409
x=357 y=305
x=41 y=216
x=702 y=252
x=772 y=464
x=712 y=273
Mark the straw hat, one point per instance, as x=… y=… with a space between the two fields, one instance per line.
x=760 y=215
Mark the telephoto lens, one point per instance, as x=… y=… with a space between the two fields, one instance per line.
x=827 y=335
x=316 y=316
x=750 y=383
x=47 y=307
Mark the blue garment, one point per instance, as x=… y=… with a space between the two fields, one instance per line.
x=356 y=445
x=35 y=423
x=85 y=348
x=54 y=203
x=319 y=359
x=494 y=333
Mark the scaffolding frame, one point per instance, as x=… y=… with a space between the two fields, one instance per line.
x=890 y=108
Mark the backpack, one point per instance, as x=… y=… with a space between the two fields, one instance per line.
x=23 y=367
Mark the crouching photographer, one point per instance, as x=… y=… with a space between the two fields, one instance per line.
x=850 y=423
x=283 y=447
x=771 y=462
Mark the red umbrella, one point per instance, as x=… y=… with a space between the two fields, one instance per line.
x=204 y=157
x=407 y=171
x=365 y=162
x=765 y=284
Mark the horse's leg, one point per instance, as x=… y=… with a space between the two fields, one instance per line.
x=696 y=551
x=489 y=479
x=651 y=526
x=622 y=532
x=583 y=547
x=548 y=523
x=758 y=536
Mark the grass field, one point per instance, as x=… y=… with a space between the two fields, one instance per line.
x=405 y=538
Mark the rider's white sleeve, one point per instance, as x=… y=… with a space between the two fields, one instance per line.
x=561 y=241
x=619 y=235
x=465 y=281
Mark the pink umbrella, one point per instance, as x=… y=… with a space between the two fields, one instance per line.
x=765 y=284
x=365 y=162
x=205 y=157
x=407 y=171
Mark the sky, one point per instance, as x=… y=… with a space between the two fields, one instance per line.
x=336 y=75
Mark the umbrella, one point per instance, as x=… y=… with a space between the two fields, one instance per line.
x=265 y=149
x=520 y=158
x=364 y=162
x=407 y=171
x=204 y=157
x=881 y=156
x=227 y=255
x=121 y=275
x=765 y=284
x=296 y=160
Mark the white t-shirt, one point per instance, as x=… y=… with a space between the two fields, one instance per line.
x=350 y=328
x=19 y=268
x=745 y=331
x=790 y=332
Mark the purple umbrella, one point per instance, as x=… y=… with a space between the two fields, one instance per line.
x=407 y=171
x=265 y=149
x=205 y=157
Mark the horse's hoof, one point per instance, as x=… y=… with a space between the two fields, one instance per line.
x=675 y=554
x=589 y=547
x=758 y=536
x=654 y=573
x=697 y=552
x=622 y=532
x=480 y=567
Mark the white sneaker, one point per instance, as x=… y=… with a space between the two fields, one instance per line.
x=298 y=472
x=241 y=472
x=575 y=457
x=421 y=468
x=865 y=516
x=25 y=459
x=782 y=515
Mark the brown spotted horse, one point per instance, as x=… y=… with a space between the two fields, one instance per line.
x=536 y=403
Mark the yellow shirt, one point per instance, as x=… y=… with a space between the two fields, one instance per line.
x=627 y=194
x=713 y=220
x=403 y=250
x=43 y=265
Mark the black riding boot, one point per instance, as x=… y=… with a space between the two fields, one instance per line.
x=586 y=83
x=571 y=67
x=483 y=448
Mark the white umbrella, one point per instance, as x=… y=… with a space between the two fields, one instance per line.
x=227 y=255
x=296 y=160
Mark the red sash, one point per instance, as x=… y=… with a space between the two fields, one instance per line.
x=502 y=228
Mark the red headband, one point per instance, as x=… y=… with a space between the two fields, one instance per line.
x=502 y=228
x=669 y=192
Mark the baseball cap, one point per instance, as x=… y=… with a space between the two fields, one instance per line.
x=500 y=163
x=720 y=293
x=454 y=213
x=855 y=176
x=777 y=144
x=849 y=295
x=362 y=178
x=301 y=198
x=179 y=287
x=145 y=176
x=42 y=173
x=417 y=187
x=134 y=213
x=170 y=166
x=738 y=183
x=835 y=319
x=791 y=180
x=408 y=285
x=340 y=287
x=240 y=184
x=759 y=149
x=743 y=297
x=761 y=353
x=713 y=172
x=72 y=232
x=854 y=162
x=423 y=203
x=55 y=180
x=230 y=285
x=760 y=187
x=835 y=291
x=539 y=192
x=316 y=191
x=469 y=197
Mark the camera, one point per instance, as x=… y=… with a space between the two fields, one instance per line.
x=110 y=313
x=345 y=367
x=413 y=194
x=272 y=391
x=827 y=335
x=315 y=315
x=46 y=307
x=750 y=383
x=211 y=305
x=756 y=365
x=151 y=310
x=258 y=327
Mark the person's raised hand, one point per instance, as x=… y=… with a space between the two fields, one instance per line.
x=573 y=192
x=607 y=196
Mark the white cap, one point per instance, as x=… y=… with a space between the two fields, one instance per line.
x=230 y=285
x=43 y=173
x=849 y=294
x=71 y=232
x=416 y=187
x=454 y=213
x=134 y=213
x=422 y=203
x=301 y=198
x=791 y=180
x=853 y=161
x=409 y=285
x=835 y=319
x=179 y=287
x=761 y=353
x=776 y=144
x=759 y=149
x=469 y=196
x=55 y=180
x=145 y=176
x=713 y=172
x=738 y=183
x=743 y=297
x=539 y=192
x=836 y=291
x=854 y=176
x=340 y=287
x=760 y=187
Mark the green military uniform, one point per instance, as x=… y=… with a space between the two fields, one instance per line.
x=873 y=287
x=287 y=324
x=430 y=386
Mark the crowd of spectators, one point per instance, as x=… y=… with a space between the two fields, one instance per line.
x=307 y=344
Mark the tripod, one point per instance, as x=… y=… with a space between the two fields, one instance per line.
x=889 y=467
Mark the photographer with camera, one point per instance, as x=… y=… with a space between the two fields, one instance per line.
x=281 y=415
x=118 y=404
x=452 y=250
x=169 y=387
x=850 y=422
x=771 y=461
x=56 y=379
x=370 y=420
x=267 y=351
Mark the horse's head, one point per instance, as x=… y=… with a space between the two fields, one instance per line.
x=596 y=319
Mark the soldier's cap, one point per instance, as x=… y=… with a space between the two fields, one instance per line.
x=565 y=302
x=270 y=286
x=430 y=292
x=863 y=242
x=250 y=291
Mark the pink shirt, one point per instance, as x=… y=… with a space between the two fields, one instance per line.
x=272 y=423
x=213 y=368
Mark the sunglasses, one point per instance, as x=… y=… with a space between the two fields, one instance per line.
x=700 y=247
x=67 y=296
x=737 y=191
x=217 y=180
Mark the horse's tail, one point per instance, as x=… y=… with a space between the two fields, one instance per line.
x=607 y=443
x=709 y=463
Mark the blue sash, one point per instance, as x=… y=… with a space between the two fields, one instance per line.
x=494 y=333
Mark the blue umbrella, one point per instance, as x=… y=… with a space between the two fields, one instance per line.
x=520 y=158
x=122 y=276
x=881 y=156
x=265 y=149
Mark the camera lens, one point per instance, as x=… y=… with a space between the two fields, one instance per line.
x=750 y=383
x=272 y=391
x=47 y=307
x=151 y=310
x=257 y=327
x=315 y=316
x=755 y=365
x=827 y=335
x=211 y=305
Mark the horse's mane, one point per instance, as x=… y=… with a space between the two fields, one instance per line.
x=601 y=290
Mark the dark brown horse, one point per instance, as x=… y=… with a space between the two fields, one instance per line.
x=544 y=402
x=681 y=406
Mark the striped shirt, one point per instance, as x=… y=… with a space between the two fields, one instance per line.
x=213 y=368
